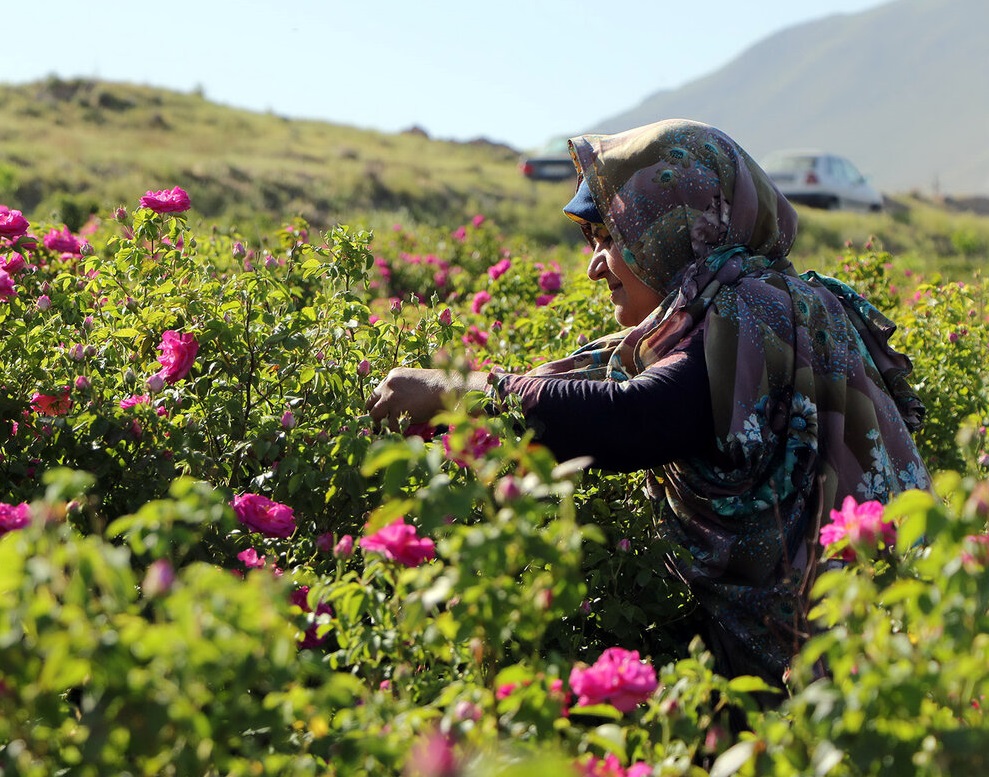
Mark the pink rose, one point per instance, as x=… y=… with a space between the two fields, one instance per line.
x=861 y=524
x=480 y=300
x=178 y=352
x=498 y=269
x=62 y=241
x=475 y=336
x=477 y=220
x=7 y=290
x=345 y=547
x=288 y=420
x=544 y=299
x=610 y=766
x=433 y=755
x=134 y=400
x=251 y=559
x=399 y=542
x=14 y=517
x=51 y=404
x=13 y=263
x=12 y=223
x=478 y=444
x=261 y=514
x=617 y=678
x=550 y=281
x=159 y=578
x=166 y=201
x=446 y=317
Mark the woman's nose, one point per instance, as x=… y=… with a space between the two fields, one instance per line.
x=597 y=267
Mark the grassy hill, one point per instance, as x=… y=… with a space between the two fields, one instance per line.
x=76 y=145
x=70 y=148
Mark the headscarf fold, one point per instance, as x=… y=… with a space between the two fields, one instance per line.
x=810 y=402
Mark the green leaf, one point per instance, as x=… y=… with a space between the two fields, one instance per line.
x=826 y=757
x=749 y=684
x=734 y=758
x=126 y=333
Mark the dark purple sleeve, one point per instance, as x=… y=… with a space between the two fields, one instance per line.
x=659 y=416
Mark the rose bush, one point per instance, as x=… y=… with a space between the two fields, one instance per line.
x=180 y=587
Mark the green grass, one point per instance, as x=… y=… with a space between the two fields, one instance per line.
x=68 y=148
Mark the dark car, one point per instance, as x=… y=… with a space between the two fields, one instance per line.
x=552 y=162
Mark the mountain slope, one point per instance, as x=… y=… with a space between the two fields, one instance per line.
x=902 y=89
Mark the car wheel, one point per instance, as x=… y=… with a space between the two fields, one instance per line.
x=832 y=204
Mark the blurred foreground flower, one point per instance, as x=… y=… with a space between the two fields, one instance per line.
x=618 y=678
x=862 y=525
x=399 y=542
x=14 y=517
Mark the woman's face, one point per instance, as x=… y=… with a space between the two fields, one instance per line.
x=633 y=300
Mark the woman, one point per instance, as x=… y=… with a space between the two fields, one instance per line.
x=758 y=398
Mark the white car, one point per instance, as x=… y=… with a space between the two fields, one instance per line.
x=821 y=180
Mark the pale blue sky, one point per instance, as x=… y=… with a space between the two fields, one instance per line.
x=510 y=71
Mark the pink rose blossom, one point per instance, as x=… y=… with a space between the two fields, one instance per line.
x=475 y=336
x=263 y=515
x=460 y=234
x=12 y=223
x=479 y=443
x=155 y=383
x=44 y=302
x=446 y=317
x=617 y=678
x=976 y=555
x=178 y=352
x=399 y=542
x=550 y=281
x=82 y=383
x=345 y=547
x=13 y=263
x=14 y=516
x=62 y=241
x=134 y=400
x=251 y=559
x=611 y=766
x=498 y=269
x=288 y=420
x=480 y=300
x=433 y=755
x=174 y=200
x=51 y=404
x=478 y=220
x=544 y=299
x=159 y=578
x=7 y=290
x=507 y=489
x=364 y=368
x=324 y=542
x=861 y=524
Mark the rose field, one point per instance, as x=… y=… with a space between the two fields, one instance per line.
x=212 y=563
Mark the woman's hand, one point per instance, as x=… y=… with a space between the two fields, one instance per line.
x=419 y=394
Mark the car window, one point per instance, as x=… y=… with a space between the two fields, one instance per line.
x=789 y=164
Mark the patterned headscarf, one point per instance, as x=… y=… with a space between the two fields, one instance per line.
x=810 y=402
